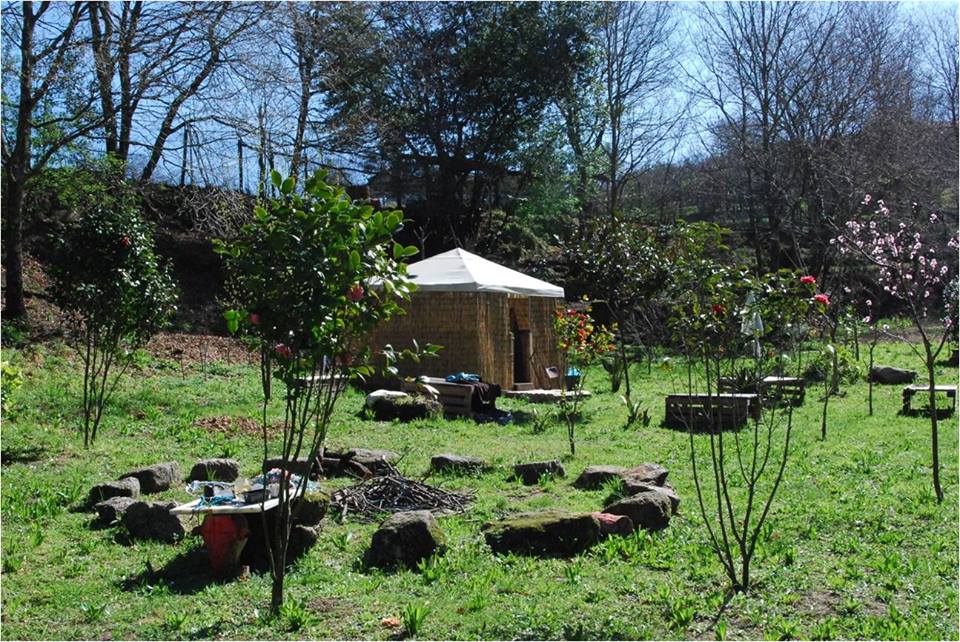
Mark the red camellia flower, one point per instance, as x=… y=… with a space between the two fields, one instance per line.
x=125 y=241
x=718 y=309
x=355 y=293
x=255 y=319
x=808 y=279
x=822 y=299
x=283 y=350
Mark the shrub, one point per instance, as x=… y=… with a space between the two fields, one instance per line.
x=10 y=381
x=849 y=370
x=309 y=277
x=726 y=319
x=114 y=294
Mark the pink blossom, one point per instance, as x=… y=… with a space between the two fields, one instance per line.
x=355 y=293
x=822 y=299
x=283 y=350
x=808 y=279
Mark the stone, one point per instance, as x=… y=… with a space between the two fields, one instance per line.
x=302 y=539
x=254 y=553
x=378 y=395
x=647 y=509
x=111 y=510
x=373 y=460
x=225 y=470
x=890 y=375
x=633 y=487
x=405 y=539
x=129 y=487
x=156 y=478
x=311 y=508
x=339 y=466
x=546 y=534
x=461 y=464
x=299 y=466
x=152 y=520
x=530 y=473
x=594 y=477
x=614 y=524
x=651 y=473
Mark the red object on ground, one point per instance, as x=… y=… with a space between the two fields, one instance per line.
x=224 y=537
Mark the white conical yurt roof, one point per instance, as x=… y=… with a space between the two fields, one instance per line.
x=460 y=271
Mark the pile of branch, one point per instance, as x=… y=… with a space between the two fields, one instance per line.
x=394 y=493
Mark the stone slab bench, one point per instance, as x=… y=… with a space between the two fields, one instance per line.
x=910 y=391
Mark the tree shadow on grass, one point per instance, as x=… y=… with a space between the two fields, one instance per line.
x=20 y=454
x=186 y=574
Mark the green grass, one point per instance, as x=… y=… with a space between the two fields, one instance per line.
x=857 y=546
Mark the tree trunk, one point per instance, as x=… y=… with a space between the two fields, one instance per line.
x=276 y=591
x=14 y=300
x=306 y=72
x=932 y=396
x=103 y=68
x=16 y=169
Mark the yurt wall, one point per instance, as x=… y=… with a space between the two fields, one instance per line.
x=448 y=319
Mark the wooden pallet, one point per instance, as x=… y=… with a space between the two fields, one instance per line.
x=456 y=398
x=789 y=389
x=711 y=412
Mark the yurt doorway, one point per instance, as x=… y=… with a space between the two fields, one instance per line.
x=522 y=344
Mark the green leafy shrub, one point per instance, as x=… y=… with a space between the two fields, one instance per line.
x=114 y=293
x=849 y=370
x=10 y=381
x=308 y=278
x=581 y=344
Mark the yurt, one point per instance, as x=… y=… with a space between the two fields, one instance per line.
x=490 y=320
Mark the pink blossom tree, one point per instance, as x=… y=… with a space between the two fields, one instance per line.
x=914 y=268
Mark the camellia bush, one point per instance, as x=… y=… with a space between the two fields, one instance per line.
x=114 y=294
x=581 y=344
x=732 y=325
x=308 y=279
x=914 y=259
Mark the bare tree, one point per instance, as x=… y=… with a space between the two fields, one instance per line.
x=49 y=102
x=638 y=69
x=943 y=60
x=150 y=59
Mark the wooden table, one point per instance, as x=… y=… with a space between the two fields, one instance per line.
x=225 y=529
x=196 y=508
x=909 y=391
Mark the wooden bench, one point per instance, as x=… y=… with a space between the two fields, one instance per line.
x=456 y=398
x=789 y=389
x=711 y=412
x=909 y=391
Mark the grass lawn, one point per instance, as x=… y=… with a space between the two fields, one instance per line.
x=858 y=548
